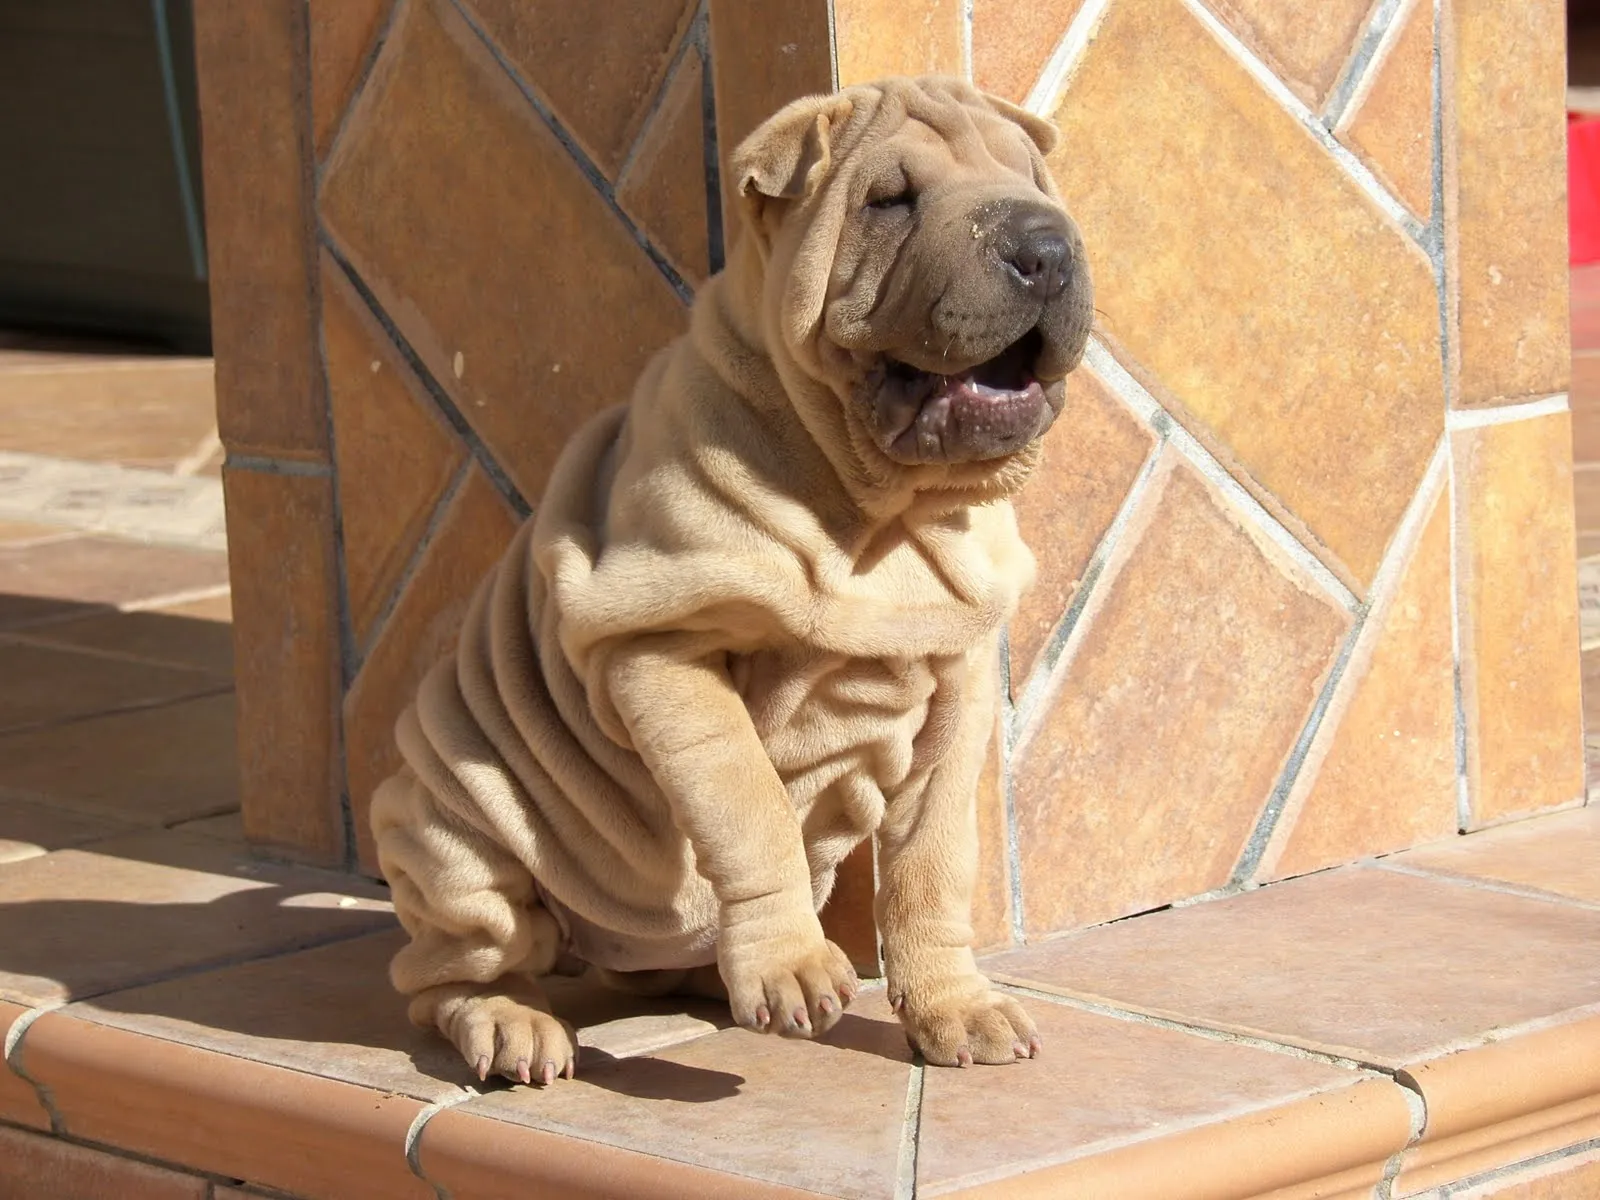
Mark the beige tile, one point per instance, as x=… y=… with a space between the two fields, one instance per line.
x=146 y=766
x=29 y=828
x=331 y=1012
x=60 y=578
x=1305 y=351
x=151 y=906
x=172 y=637
x=1106 y=826
x=1381 y=773
x=32 y=1164
x=19 y=1099
x=847 y=918
x=1519 y=616
x=342 y=33
x=877 y=38
x=13 y=533
x=1559 y=853
x=260 y=233
x=663 y=187
x=1391 y=126
x=680 y=1104
x=1505 y=167
x=1366 y=963
x=1102 y=1085
x=1091 y=458
x=598 y=67
x=395 y=454
x=991 y=897
x=1305 y=47
x=286 y=661
x=140 y=412
x=295 y=1133
x=1013 y=39
x=226 y=827
x=475 y=529
x=407 y=199
x=1571 y=1177
x=44 y=685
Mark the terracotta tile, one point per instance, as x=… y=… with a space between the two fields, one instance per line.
x=1091 y=459
x=407 y=199
x=991 y=897
x=1306 y=49
x=1306 y=353
x=1519 y=669
x=208 y=608
x=1584 y=284
x=1573 y=1177
x=44 y=685
x=19 y=1101
x=1499 y=1104
x=1585 y=402
x=1584 y=326
x=147 y=766
x=260 y=238
x=35 y=1165
x=1390 y=126
x=680 y=1103
x=1505 y=166
x=173 y=637
x=342 y=35
x=1586 y=499
x=15 y=533
x=663 y=186
x=847 y=918
x=475 y=1158
x=475 y=529
x=29 y=828
x=1559 y=853
x=331 y=1012
x=62 y=578
x=764 y=53
x=150 y=906
x=396 y=456
x=140 y=412
x=307 y=1136
x=876 y=38
x=1012 y=42
x=1381 y=773
x=1108 y=828
x=286 y=661
x=598 y=67
x=1369 y=964
x=1051 y=1126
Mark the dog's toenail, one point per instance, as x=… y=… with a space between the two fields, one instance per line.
x=483 y=1066
x=548 y=1073
x=522 y=1071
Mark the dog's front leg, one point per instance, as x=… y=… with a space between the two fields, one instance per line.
x=928 y=846
x=694 y=733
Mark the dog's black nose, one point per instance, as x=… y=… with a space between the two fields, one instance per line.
x=1042 y=261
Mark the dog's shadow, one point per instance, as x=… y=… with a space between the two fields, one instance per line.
x=282 y=977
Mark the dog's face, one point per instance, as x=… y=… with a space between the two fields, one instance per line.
x=922 y=264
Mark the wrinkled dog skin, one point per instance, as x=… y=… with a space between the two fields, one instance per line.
x=754 y=618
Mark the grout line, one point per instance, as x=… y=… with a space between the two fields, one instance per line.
x=1436 y=242
x=277 y=466
x=1132 y=392
x=833 y=49
x=193 y=226
x=1457 y=676
x=966 y=39
x=12 y=1058
x=1516 y=1168
x=1373 y=47
x=716 y=235
x=182 y=596
x=441 y=399
x=689 y=41
x=1045 y=96
x=1353 y=167
x=905 y=1187
x=135 y=706
x=1439 y=875
x=1505 y=414
x=591 y=172
x=380 y=39
x=191 y=462
x=1417 y=1115
x=1131 y=1017
x=1008 y=795
x=413 y=1142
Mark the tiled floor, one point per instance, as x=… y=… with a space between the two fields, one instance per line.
x=1428 y=1025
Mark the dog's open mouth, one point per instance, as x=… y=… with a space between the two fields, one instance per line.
x=987 y=411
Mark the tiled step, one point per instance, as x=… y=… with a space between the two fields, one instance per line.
x=1427 y=1025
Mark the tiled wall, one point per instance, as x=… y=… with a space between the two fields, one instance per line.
x=1306 y=539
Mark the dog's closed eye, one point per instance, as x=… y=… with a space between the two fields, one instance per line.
x=890 y=195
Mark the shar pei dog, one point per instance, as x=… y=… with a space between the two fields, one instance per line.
x=754 y=619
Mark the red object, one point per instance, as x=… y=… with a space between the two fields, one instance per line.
x=1583 y=188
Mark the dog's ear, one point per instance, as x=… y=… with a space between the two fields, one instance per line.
x=1041 y=133
x=789 y=155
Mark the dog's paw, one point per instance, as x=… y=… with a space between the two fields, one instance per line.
x=798 y=991
x=977 y=1025
x=505 y=1036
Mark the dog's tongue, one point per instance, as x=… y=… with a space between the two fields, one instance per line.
x=976 y=412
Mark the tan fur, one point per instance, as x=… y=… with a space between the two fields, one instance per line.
x=734 y=641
